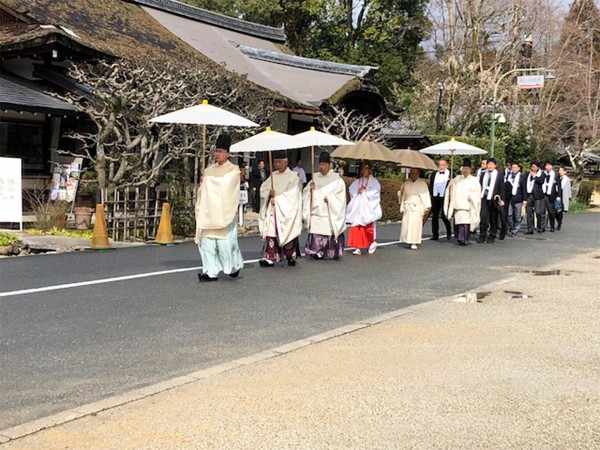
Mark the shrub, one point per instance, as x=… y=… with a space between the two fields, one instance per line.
x=586 y=189
x=7 y=239
x=51 y=215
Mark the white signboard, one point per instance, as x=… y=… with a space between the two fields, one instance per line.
x=530 y=81
x=11 y=199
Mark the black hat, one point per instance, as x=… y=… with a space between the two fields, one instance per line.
x=324 y=158
x=280 y=154
x=466 y=162
x=224 y=141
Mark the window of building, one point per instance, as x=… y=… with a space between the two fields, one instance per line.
x=25 y=141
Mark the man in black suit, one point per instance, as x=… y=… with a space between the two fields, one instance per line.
x=492 y=189
x=534 y=197
x=258 y=176
x=516 y=189
x=437 y=190
x=552 y=192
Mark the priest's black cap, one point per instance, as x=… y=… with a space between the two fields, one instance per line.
x=324 y=158
x=224 y=141
x=466 y=162
x=280 y=154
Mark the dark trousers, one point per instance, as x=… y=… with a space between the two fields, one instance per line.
x=535 y=207
x=559 y=218
x=489 y=219
x=503 y=218
x=549 y=204
x=437 y=211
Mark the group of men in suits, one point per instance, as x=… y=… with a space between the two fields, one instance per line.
x=503 y=194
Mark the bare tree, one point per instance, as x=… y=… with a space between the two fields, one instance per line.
x=352 y=125
x=126 y=149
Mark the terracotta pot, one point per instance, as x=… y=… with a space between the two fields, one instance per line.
x=83 y=217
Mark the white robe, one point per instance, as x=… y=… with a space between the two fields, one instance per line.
x=327 y=219
x=288 y=207
x=364 y=208
x=465 y=202
x=414 y=200
x=566 y=192
x=217 y=201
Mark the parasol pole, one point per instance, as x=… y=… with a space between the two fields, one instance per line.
x=272 y=188
x=203 y=149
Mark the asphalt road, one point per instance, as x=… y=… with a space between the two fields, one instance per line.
x=67 y=347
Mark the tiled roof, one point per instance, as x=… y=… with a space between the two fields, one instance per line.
x=308 y=63
x=16 y=97
x=212 y=18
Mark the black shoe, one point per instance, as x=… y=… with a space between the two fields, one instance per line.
x=551 y=230
x=205 y=277
x=234 y=274
x=543 y=230
x=501 y=237
x=292 y=262
x=481 y=240
x=558 y=228
x=491 y=240
x=434 y=238
x=528 y=232
x=264 y=263
x=448 y=236
x=460 y=242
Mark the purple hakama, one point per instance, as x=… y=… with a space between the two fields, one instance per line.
x=324 y=247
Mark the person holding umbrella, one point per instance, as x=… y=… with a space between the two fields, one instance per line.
x=216 y=206
x=280 y=217
x=415 y=204
x=324 y=212
x=463 y=202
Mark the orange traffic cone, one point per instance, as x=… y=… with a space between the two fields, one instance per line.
x=100 y=236
x=164 y=235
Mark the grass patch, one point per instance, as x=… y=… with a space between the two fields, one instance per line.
x=7 y=239
x=80 y=234
x=577 y=207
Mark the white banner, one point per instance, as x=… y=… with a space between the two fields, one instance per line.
x=11 y=196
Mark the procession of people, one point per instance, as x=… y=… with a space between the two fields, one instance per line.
x=490 y=202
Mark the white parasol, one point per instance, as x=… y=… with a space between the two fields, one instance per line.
x=452 y=147
x=204 y=115
x=267 y=141
x=313 y=137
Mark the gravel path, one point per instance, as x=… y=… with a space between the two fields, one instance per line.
x=501 y=373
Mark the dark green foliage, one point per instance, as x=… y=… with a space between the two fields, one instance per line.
x=586 y=189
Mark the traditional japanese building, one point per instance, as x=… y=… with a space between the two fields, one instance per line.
x=40 y=38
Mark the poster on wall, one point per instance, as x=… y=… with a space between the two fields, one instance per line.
x=11 y=196
x=65 y=179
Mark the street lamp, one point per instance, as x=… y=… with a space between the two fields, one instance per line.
x=547 y=74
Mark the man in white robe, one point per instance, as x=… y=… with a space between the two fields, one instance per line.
x=324 y=212
x=463 y=202
x=415 y=204
x=280 y=217
x=363 y=211
x=216 y=207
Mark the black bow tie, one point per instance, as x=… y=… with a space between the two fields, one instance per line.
x=442 y=171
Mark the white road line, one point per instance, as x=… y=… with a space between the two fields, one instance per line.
x=58 y=287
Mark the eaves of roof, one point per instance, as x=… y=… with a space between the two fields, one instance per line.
x=17 y=97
